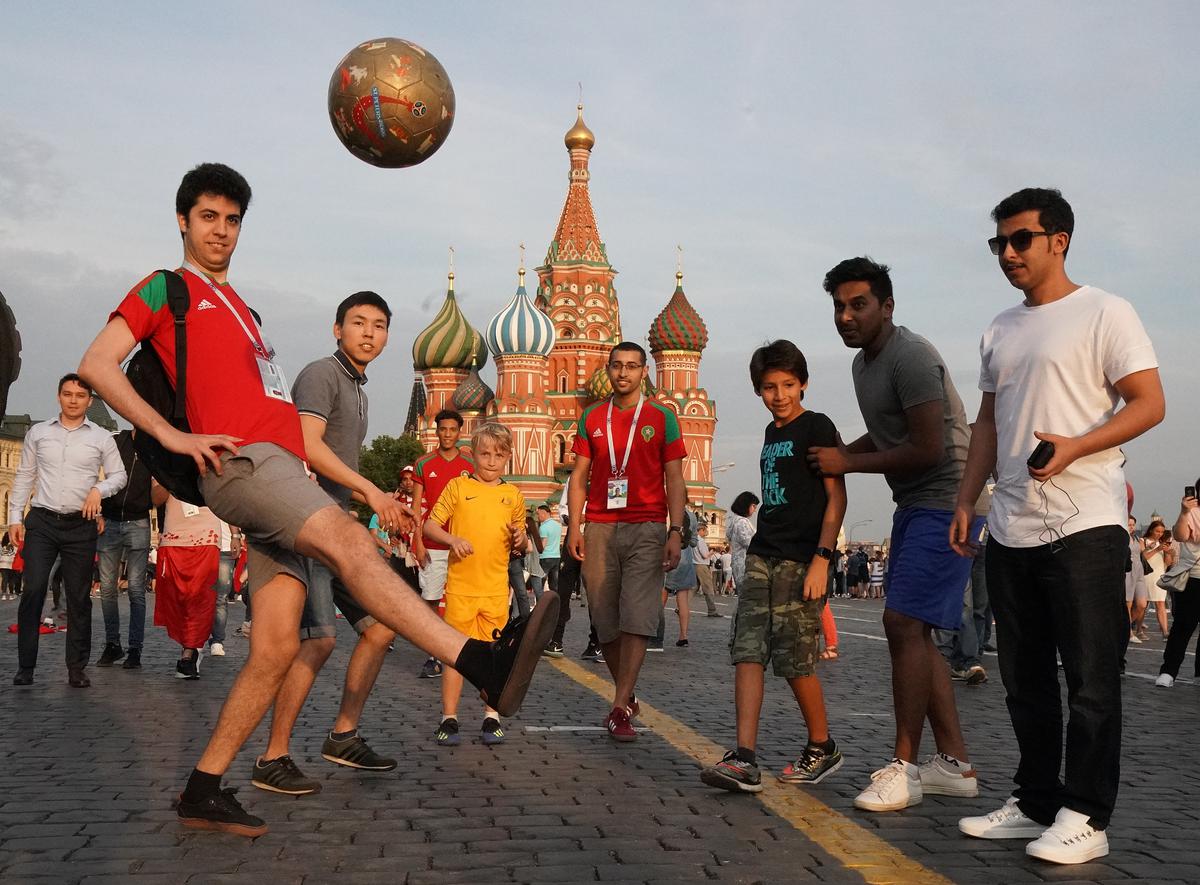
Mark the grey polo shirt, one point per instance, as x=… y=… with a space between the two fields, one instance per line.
x=332 y=389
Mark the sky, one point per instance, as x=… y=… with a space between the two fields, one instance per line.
x=770 y=140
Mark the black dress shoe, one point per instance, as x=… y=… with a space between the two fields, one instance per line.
x=78 y=679
x=23 y=677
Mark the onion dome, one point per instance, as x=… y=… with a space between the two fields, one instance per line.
x=473 y=394
x=579 y=136
x=520 y=327
x=678 y=327
x=449 y=341
x=479 y=356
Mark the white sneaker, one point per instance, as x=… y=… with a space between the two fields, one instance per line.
x=1070 y=840
x=1164 y=680
x=1133 y=637
x=897 y=785
x=216 y=649
x=945 y=776
x=1006 y=822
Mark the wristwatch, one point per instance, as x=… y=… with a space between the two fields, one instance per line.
x=824 y=553
x=676 y=528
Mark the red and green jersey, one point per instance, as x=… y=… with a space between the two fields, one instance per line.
x=433 y=473
x=224 y=388
x=656 y=441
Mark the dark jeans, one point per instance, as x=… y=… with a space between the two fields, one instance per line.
x=516 y=580
x=568 y=584
x=129 y=540
x=1067 y=597
x=73 y=538
x=963 y=648
x=1185 y=616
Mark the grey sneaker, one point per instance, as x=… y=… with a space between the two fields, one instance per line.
x=732 y=774
x=353 y=752
x=812 y=767
x=282 y=776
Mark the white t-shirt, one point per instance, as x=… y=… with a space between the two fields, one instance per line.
x=1052 y=368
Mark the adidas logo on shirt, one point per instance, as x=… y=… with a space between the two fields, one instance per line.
x=597 y=432
x=205 y=304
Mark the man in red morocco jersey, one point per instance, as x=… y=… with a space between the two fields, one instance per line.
x=624 y=449
x=249 y=449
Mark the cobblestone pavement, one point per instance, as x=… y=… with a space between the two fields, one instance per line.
x=88 y=778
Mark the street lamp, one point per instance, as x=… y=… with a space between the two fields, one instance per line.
x=850 y=530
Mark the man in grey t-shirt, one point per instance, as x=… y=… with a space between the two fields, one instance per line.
x=333 y=416
x=917 y=438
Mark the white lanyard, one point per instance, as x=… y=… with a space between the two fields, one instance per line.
x=264 y=348
x=612 y=452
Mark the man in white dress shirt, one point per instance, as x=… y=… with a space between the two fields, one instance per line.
x=61 y=462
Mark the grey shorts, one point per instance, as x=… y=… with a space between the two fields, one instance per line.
x=623 y=573
x=265 y=491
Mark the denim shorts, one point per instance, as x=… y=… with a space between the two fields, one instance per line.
x=326 y=596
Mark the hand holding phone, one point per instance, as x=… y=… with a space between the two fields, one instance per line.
x=1041 y=455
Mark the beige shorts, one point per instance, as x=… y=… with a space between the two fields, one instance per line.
x=623 y=572
x=265 y=490
x=432 y=578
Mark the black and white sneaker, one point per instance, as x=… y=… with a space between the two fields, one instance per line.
x=111 y=654
x=813 y=766
x=553 y=649
x=221 y=812
x=353 y=752
x=282 y=776
x=189 y=668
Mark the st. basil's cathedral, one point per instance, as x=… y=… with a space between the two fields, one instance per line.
x=550 y=352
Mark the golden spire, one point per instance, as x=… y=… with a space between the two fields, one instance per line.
x=450 y=275
x=521 y=269
x=579 y=136
x=678 y=267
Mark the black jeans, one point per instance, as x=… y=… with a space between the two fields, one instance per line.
x=1067 y=597
x=48 y=536
x=568 y=583
x=1185 y=616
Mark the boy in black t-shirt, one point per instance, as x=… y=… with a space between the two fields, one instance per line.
x=787 y=575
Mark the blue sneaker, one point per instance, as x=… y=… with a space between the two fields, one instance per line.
x=447 y=733
x=492 y=733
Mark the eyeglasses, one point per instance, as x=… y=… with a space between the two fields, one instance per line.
x=628 y=367
x=1020 y=240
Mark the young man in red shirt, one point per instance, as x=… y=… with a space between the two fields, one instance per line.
x=625 y=448
x=432 y=473
x=249 y=450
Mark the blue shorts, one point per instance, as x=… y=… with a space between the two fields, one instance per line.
x=926 y=579
x=326 y=596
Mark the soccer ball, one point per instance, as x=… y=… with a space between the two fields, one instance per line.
x=391 y=103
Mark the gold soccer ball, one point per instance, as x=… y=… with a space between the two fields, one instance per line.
x=391 y=103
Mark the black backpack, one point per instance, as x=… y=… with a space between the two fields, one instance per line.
x=178 y=474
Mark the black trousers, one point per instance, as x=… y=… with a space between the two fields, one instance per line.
x=1066 y=598
x=567 y=584
x=48 y=536
x=1185 y=617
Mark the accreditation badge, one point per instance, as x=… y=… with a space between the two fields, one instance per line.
x=273 y=381
x=618 y=492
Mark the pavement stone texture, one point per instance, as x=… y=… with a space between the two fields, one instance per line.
x=88 y=778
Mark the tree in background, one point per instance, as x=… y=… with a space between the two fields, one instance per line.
x=382 y=461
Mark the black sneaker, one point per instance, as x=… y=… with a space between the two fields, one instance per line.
x=813 y=766
x=431 y=669
x=188 y=668
x=590 y=653
x=221 y=812
x=553 y=649
x=111 y=654
x=353 y=752
x=491 y=733
x=133 y=660
x=681 y=643
x=515 y=652
x=282 y=776
x=732 y=774
x=447 y=733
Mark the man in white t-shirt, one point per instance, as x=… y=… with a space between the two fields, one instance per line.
x=1055 y=368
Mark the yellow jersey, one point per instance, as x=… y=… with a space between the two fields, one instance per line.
x=481 y=514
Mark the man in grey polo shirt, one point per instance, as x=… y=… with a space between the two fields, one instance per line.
x=61 y=460
x=333 y=416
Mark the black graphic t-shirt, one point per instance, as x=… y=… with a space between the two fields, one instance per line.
x=793 y=495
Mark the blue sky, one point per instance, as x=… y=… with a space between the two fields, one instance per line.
x=771 y=140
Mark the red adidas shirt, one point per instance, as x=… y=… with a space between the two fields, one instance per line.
x=433 y=473
x=224 y=389
x=656 y=441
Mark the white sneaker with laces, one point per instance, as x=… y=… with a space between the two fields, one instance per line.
x=944 y=775
x=216 y=649
x=1006 y=822
x=1164 y=680
x=897 y=785
x=1070 y=840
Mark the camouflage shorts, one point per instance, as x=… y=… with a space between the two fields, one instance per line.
x=774 y=622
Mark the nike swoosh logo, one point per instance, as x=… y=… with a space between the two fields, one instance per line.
x=472 y=497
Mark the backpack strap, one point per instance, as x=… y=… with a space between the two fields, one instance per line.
x=177 y=300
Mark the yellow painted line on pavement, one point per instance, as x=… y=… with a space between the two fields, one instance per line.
x=849 y=843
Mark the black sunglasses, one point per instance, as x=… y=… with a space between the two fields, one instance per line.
x=1021 y=240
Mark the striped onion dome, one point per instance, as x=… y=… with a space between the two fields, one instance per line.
x=473 y=394
x=449 y=341
x=599 y=386
x=520 y=327
x=678 y=327
x=479 y=356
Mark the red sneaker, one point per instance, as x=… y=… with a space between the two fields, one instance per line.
x=634 y=707
x=618 y=725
